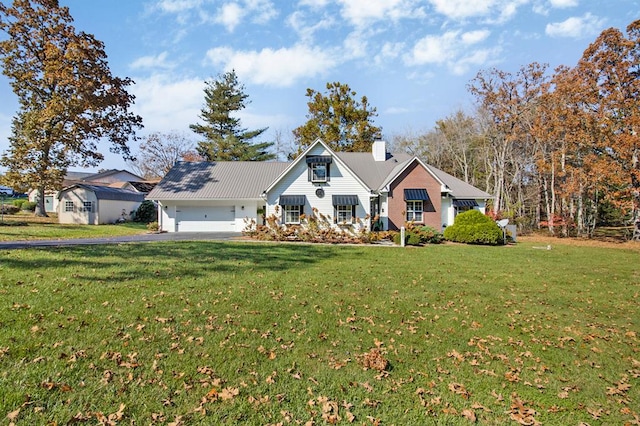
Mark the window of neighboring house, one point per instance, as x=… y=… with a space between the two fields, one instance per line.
x=345 y=214
x=291 y=214
x=414 y=211
x=87 y=206
x=68 y=206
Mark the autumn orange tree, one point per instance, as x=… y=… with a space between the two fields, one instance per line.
x=68 y=99
x=337 y=118
x=608 y=96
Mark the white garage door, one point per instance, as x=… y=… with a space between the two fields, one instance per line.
x=206 y=219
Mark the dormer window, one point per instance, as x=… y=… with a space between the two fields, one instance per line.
x=319 y=168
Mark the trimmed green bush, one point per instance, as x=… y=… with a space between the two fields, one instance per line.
x=28 y=205
x=472 y=227
x=147 y=212
x=18 y=203
x=418 y=235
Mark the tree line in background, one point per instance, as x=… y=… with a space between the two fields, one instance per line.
x=558 y=149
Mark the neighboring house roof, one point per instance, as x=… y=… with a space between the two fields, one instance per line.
x=106 y=192
x=77 y=176
x=459 y=188
x=106 y=173
x=144 y=186
x=217 y=180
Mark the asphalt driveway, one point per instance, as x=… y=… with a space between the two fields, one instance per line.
x=168 y=236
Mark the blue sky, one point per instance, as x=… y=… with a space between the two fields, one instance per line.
x=412 y=59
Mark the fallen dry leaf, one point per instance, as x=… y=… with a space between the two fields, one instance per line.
x=13 y=415
x=459 y=389
x=469 y=415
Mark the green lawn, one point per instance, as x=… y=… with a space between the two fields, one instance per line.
x=25 y=226
x=255 y=333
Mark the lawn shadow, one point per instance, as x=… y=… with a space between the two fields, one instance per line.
x=187 y=259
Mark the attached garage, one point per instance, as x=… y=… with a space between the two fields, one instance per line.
x=206 y=219
x=213 y=196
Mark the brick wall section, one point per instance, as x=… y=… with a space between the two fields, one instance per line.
x=414 y=177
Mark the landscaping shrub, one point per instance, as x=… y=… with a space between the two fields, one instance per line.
x=314 y=228
x=146 y=213
x=18 y=202
x=473 y=227
x=153 y=226
x=28 y=205
x=9 y=209
x=419 y=235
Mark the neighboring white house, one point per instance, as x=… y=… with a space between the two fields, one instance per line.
x=95 y=205
x=376 y=190
x=106 y=177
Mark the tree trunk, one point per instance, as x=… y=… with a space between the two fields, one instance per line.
x=40 y=210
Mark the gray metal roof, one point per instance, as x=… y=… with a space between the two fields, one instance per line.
x=373 y=173
x=217 y=180
x=458 y=187
x=108 y=193
x=226 y=180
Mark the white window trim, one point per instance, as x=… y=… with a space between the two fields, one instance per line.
x=69 y=206
x=413 y=212
x=315 y=166
x=287 y=210
x=347 y=210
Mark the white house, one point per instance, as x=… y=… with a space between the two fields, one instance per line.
x=94 y=205
x=106 y=177
x=376 y=190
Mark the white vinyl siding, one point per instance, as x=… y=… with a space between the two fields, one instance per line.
x=296 y=181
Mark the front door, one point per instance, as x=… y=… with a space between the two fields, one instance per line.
x=374 y=211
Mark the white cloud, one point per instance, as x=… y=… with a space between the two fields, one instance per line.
x=453 y=50
x=365 y=12
x=561 y=4
x=434 y=49
x=355 y=45
x=305 y=30
x=575 y=27
x=175 y=6
x=168 y=103
x=460 y=9
x=316 y=4
x=152 y=62
x=389 y=51
x=230 y=15
x=263 y=10
x=274 y=67
x=472 y=60
x=397 y=110
x=473 y=37
x=503 y=10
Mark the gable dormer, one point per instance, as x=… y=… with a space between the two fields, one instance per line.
x=319 y=167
